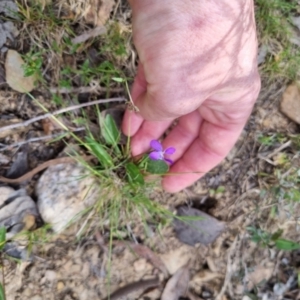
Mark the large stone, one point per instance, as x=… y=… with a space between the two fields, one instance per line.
x=15 y=73
x=290 y=103
x=8 y=8
x=64 y=193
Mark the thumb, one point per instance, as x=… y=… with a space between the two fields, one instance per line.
x=151 y=108
x=148 y=107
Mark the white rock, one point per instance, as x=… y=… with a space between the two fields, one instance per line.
x=246 y=298
x=262 y=53
x=15 y=208
x=50 y=275
x=15 y=74
x=64 y=192
x=9 y=8
x=296 y=21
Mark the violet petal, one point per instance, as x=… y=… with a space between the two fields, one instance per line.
x=168 y=161
x=156 y=145
x=170 y=150
x=155 y=155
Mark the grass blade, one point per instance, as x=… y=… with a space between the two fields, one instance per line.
x=2 y=237
x=134 y=174
x=100 y=152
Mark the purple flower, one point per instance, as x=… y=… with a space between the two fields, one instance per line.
x=159 y=152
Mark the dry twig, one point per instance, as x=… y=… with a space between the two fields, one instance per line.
x=235 y=246
x=147 y=253
x=60 y=111
x=84 y=89
x=282 y=147
x=99 y=30
x=37 y=139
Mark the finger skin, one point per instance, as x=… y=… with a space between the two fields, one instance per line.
x=194 y=70
x=183 y=134
x=218 y=133
x=148 y=131
x=207 y=151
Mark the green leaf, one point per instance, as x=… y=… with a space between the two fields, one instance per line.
x=251 y=296
x=293 y=194
x=283 y=244
x=157 y=166
x=275 y=236
x=134 y=174
x=110 y=131
x=2 y=237
x=99 y=151
x=221 y=189
x=2 y=294
x=117 y=79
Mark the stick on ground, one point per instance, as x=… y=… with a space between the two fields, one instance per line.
x=60 y=111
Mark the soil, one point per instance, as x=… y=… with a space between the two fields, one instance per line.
x=237 y=192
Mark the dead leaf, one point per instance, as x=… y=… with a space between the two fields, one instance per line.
x=20 y=166
x=7 y=31
x=98 y=11
x=259 y=274
x=133 y=287
x=15 y=74
x=203 y=231
x=51 y=124
x=4 y=123
x=148 y=254
x=205 y=276
x=177 y=286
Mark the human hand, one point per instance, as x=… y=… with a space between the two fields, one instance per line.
x=198 y=64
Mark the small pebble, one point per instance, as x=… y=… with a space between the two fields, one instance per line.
x=27 y=292
x=246 y=298
x=140 y=265
x=75 y=269
x=68 y=265
x=60 y=286
x=85 y=270
x=50 y=275
x=206 y=294
x=36 y=297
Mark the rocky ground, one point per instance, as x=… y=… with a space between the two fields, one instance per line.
x=252 y=196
